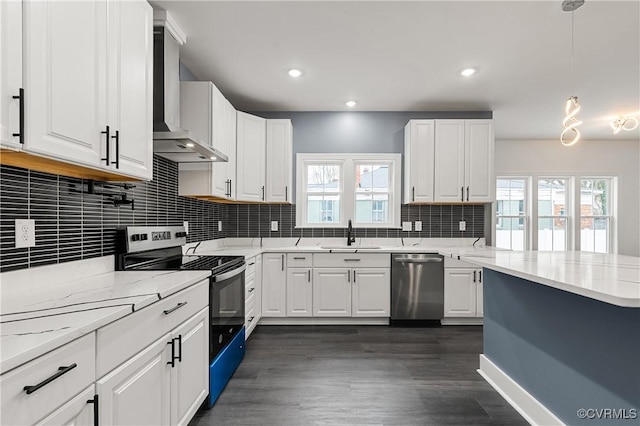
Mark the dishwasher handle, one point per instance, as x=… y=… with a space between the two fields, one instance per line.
x=418 y=260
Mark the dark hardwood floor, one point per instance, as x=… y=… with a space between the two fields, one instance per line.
x=360 y=375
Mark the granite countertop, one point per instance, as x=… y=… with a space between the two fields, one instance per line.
x=39 y=319
x=610 y=278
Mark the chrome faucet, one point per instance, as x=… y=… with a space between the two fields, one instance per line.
x=350 y=238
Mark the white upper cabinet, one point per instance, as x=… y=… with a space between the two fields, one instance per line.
x=251 y=140
x=65 y=67
x=279 y=157
x=463 y=161
x=478 y=157
x=10 y=72
x=130 y=86
x=211 y=118
x=419 y=140
x=88 y=84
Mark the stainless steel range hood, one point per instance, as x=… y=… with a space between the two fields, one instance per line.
x=169 y=139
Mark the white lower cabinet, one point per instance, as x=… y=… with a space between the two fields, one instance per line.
x=253 y=294
x=80 y=411
x=462 y=290
x=138 y=392
x=370 y=294
x=332 y=292
x=164 y=384
x=299 y=292
x=274 y=285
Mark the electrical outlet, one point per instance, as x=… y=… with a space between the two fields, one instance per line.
x=406 y=226
x=186 y=226
x=462 y=226
x=219 y=226
x=418 y=225
x=274 y=225
x=25 y=233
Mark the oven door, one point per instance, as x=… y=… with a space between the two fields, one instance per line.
x=226 y=306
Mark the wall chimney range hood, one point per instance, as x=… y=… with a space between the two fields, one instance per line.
x=169 y=139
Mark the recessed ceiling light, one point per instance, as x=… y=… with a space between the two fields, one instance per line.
x=468 y=72
x=190 y=144
x=350 y=104
x=295 y=73
x=212 y=158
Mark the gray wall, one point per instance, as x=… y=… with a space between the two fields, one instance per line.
x=568 y=351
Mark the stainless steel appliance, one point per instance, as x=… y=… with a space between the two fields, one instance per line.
x=417 y=287
x=159 y=248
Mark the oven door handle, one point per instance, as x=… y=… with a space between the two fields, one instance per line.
x=230 y=274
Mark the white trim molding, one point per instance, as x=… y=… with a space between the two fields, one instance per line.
x=524 y=403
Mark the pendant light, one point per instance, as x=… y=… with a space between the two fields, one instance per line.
x=570 y=135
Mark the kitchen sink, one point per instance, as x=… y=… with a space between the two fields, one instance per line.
x=345 y=247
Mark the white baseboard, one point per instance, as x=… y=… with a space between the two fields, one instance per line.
x=323 y=321
x=530 y=408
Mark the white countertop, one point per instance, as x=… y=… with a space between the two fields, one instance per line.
x=609 y=278
x=40 y=318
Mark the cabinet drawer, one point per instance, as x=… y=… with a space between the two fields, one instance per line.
x=19 y=408
x=251 y=267
x=299 y=260
x=351 y=260
x=249 y=299
x=450 y=262
x=122 y=339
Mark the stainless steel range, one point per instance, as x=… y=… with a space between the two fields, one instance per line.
x=160 y=248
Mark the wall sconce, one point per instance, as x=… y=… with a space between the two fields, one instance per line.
x=624 y=123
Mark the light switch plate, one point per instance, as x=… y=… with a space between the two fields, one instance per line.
x=25 y=233
x=274 y=225
x=462 y=225
x=406 y=226
x=186 y=226
x=219 y=226
x=418 y=225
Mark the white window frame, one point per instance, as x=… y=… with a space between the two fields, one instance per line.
x=612 y=204
x=347 y=187
x=568 y=216
x=526 y=217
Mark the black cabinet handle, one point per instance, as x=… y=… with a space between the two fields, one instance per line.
x=462 y=193
x=309 y=275
x=251 y=289
x=175 y=308
x=173 y=353
x=96 y=416
x=299 y=258
x=467 y=193
x=474 y=277
x=262 y=192
x=283 y=262
x=250 y=319
x=480 y=275
x=107 y=139
x=20 y=133
x=230 y=183
x=354 y=276
x=117 y=138
x=413 y=193
x=286 y=193
x=348 y=276
x=179 y=338
x=61 y=370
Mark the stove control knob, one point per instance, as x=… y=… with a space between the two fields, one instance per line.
x=143 y=237
x=135 y=237
x=181 y=234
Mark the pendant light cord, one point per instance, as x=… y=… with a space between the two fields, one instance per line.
x=572 y=33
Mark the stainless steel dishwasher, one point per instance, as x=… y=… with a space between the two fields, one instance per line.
x=417 y=287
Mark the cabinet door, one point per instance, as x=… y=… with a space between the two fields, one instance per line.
x=479 y=147
x=479 y=295
x=331 y=292
x=77 y=412
x=459 y=292
x=220 y=141
x=231 y=151
x=299 y=292
x=130 y=87
x=250 y=157
x=274 y=289
x=279 y=157
x=190 y=379
x=371 y=292
x=449 y=161
x=10 y=72
x=419 y=148
x=138 y=392
x=65 y=79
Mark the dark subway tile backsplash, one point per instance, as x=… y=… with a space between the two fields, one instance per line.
x=72 y=224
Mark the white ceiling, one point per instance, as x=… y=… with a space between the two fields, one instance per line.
x=406 y=56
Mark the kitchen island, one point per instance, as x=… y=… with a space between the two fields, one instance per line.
x=562 y=334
